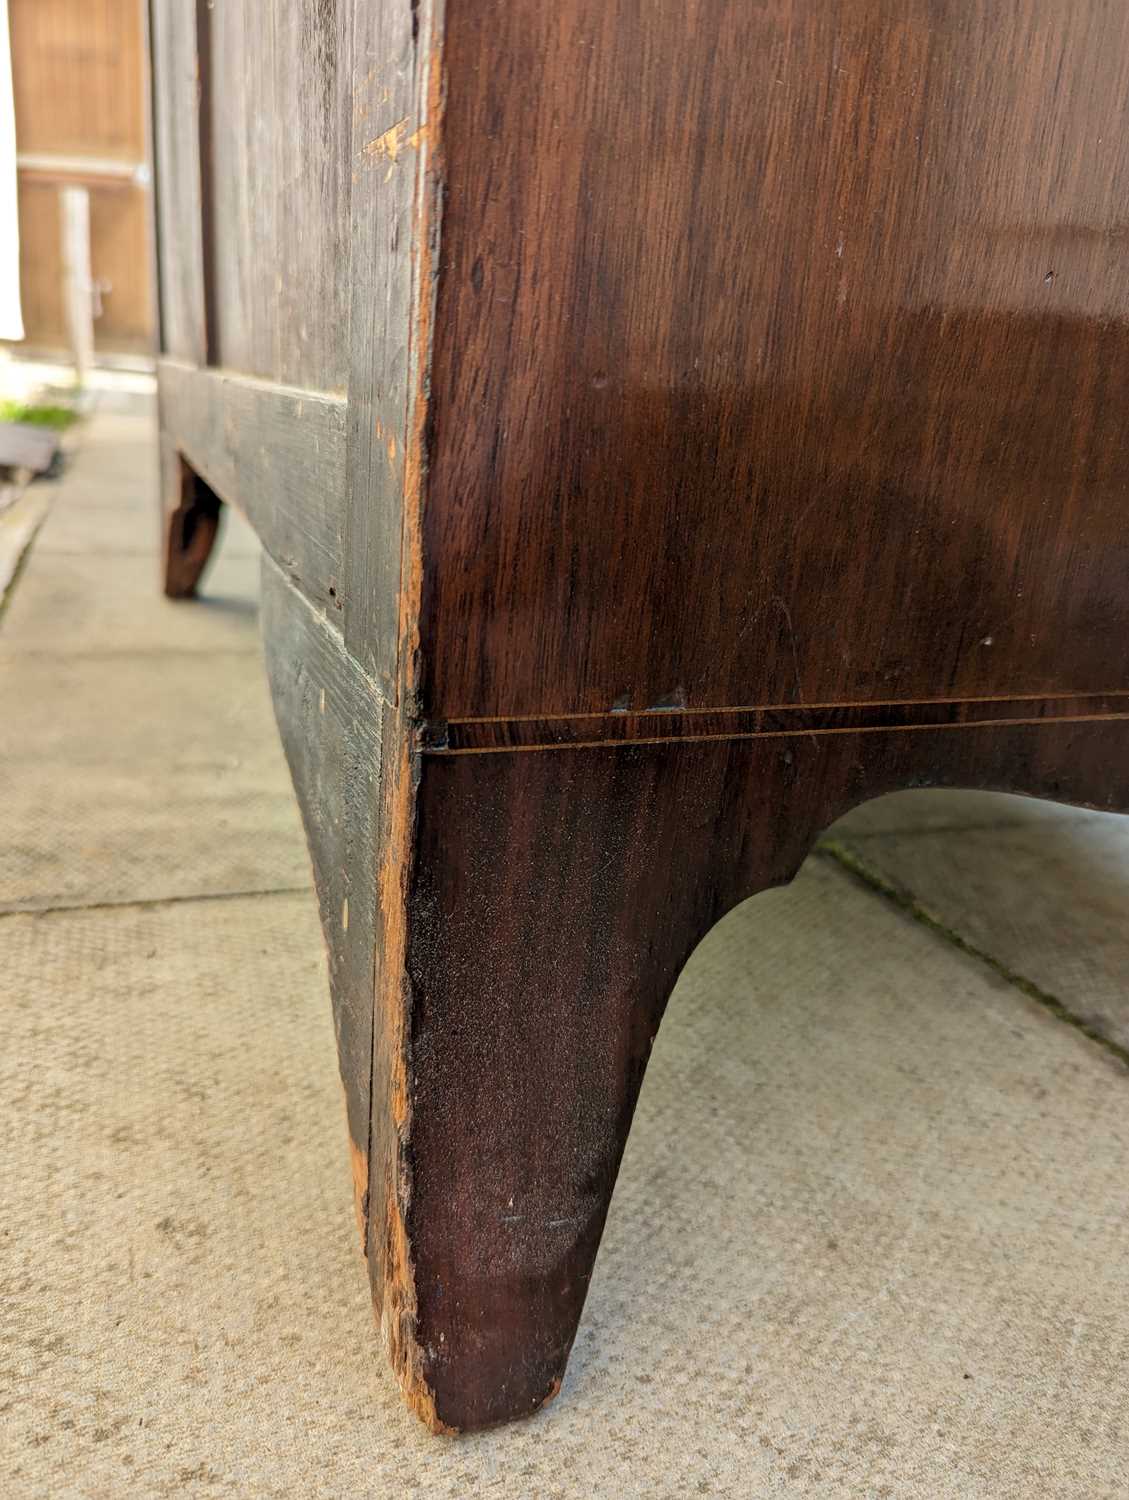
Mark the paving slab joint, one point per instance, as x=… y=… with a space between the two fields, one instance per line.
x=864 y=874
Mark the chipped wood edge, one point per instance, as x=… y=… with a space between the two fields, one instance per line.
x=388 y=1244
x=358 y=1159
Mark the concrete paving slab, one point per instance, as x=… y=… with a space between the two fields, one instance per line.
x=106 y=502
x=937 y=810
x=869 y=1238
x=85 y=523
x=90 y=604
x=117 y=453
x=1047 y=898
x=20 y=521
x=109 y=433
x=236 y=538
x=122 y=472
x=140 y=777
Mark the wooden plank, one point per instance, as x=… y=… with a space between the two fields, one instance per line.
x=179 y=208
x=78 y=77
x=329 y=716
x=278 y=455
x=393 y=221
x=280 y=207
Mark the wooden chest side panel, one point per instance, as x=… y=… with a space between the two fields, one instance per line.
x=291 y=161
x=781 y=354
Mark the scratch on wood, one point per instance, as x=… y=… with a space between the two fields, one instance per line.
x=387 y=147
x=359 y=1160
x=552 y=1394
x=397 y=1326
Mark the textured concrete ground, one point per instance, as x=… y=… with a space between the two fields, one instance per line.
x=871 y=1233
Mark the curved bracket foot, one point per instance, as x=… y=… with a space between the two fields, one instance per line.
x=191 y=529
x=504 y=927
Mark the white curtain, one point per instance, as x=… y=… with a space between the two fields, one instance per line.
x=11 y=319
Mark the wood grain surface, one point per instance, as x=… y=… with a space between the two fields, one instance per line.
x=556 y=896
x=395 y=110
x=119 y=260
x=177 y=183
x=781 y=354
x=278 y=97
x=78 y=77
x=276 y=452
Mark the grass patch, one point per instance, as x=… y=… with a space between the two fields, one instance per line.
x=57 y=418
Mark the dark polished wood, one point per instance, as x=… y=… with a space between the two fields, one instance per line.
x=556 y=895
x=772 y=340
x=191 y=528
x=669 y=423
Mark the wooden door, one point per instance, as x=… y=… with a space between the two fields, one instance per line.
x=80 y=78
